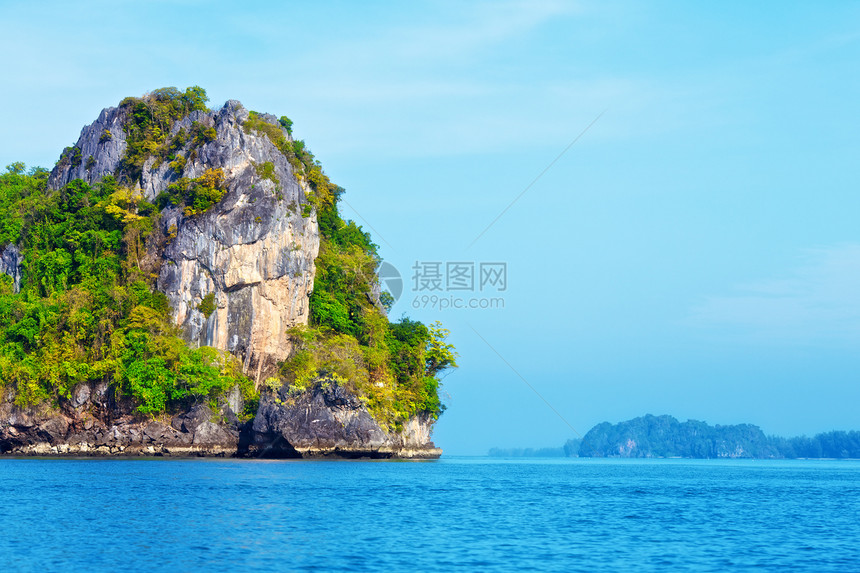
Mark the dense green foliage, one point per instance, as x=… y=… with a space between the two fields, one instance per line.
x=86 y=311
x=207 y=305
x=394 y=367
x=286 y=123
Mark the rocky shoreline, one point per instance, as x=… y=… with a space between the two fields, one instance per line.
x=325 y=422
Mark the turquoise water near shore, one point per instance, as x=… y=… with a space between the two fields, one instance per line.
x=455 y=513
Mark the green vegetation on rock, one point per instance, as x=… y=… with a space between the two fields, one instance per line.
x=207 y=305
x=87 y=310
x=196 y=195
x=286 y=123
x=148 y=124
x=71 y=156
x=266 y=170
x=202 y=134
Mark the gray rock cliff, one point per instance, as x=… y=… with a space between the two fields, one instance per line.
x=10 y=264
x=103 y=141
x=330 y=421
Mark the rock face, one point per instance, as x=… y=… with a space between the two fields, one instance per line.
x=10 y=264
x=253 y=251
x=104 y=141
x=331 y=421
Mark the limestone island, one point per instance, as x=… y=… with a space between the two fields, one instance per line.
x=182 y=284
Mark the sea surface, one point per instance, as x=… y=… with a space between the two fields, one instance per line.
x=473 y=514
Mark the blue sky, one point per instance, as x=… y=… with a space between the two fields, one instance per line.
x=696 y=252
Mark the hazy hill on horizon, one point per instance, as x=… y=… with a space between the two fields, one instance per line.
x=664 y=436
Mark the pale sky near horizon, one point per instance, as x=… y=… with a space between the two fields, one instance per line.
x=696 y=252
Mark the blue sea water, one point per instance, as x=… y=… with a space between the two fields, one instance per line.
x=457 y=513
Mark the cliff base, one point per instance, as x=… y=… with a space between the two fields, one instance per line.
x=325 y=422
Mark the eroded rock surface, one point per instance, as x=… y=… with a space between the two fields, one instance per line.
x=327 y=421
x=103 y=141
x=330 y=421
x=10 y=264
x=94 y=423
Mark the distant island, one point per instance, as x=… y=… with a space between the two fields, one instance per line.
x=665 y=437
